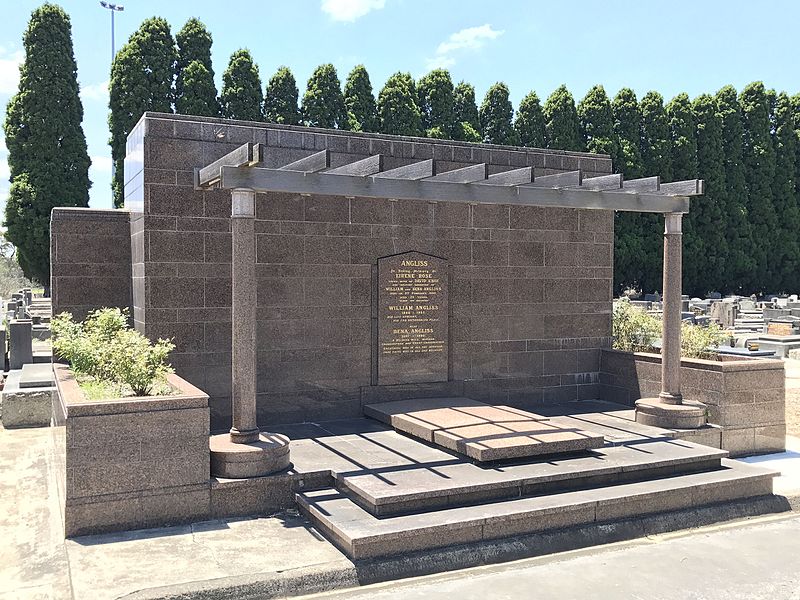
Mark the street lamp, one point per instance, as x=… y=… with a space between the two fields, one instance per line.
x=113 y=8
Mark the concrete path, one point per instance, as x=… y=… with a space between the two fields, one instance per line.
x=276 y=555
x=753 y=561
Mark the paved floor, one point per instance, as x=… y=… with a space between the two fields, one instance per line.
x=755 y=561
x=35 y=561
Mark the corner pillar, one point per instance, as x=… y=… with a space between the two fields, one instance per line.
x=669 y=410
x=245 y=451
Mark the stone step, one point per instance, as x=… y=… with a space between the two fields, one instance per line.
x=361 y=535
x=482 y=432
x=421 y=487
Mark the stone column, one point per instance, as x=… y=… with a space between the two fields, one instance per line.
x=243 y=312
x=671 y=314
x=245 y=451
x=669 y=410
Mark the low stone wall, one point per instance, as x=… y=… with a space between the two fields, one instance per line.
x=90 y=260
x=745 y=397
x=131 y=463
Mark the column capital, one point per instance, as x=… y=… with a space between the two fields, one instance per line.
x=243 y=203
x=673 y=223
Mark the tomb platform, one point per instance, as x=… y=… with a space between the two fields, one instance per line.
x=379 y=492
x=482 y=432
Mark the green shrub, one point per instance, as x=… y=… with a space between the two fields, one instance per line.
x=634 y=330
x=105 y=348
x=699 y=341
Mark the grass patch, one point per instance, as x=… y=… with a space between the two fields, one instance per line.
x=96 y=389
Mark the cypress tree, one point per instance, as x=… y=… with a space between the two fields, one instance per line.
x=280 y=99
x=529 y=123
x=465 y=108
x=597 y=122
x=740 y=266
x=142 y=75
x=656 y=152
x=323 y=102
x=359 y=99
x=496 y=114
x=194 y=44
x=635 y=263
x=199 y=95
x=241 y=88
x=397 y=106
x=684 y=166
x=787 y=240
x=758 y=156
x=47 y=157
x=708 y=213
x=561 y=121
x=435 y=101
x=628 y=127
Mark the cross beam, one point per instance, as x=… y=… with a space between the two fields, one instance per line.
x=419 y=181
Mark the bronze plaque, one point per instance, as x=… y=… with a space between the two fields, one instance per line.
x=412 y=319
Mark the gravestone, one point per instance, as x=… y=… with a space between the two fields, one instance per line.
x=412 y=314
x=20 y=346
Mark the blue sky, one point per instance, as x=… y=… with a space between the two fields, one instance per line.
x=671 y=46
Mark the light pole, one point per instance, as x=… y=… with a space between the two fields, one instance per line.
x=114 y=8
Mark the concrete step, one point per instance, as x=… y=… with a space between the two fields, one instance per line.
x=422 y=487
x=361 y=535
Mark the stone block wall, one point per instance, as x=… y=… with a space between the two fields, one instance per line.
x=133 y=463
x=530 y=291
x=745 y=397
x=90 y=260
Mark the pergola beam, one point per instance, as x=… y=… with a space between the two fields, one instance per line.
x=417 y=170
x=380 y=186
x=464 y=175
x=310 y=164
x=602 y=182
x=513 y=177
x=690 y=187
x=644 y=184
x=368 y=166
x=247 y=154
x=558 y=180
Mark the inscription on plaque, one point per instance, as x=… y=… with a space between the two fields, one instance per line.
x=412 y=344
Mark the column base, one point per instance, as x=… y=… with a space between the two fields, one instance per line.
x=269 y=454
x=656 y=412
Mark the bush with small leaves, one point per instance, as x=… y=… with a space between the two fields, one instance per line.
x=634 y=330
x=105 y=348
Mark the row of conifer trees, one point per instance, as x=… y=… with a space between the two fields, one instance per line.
x=742 y=236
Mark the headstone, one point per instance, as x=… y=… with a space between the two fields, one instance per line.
x=412 y=313
x=20 y=346
x=2 y=347
x=783 y=327
x=776 y=313
x=652 y=298
x=11 y=307
x=715 y=296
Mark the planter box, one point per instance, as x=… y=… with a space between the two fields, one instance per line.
x=745 y=396
x=131 y=463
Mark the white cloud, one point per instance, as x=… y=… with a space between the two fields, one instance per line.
x=9 y=70
x=101 y=164
x=471 y=38
x=350 y=10
x=95 y=91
